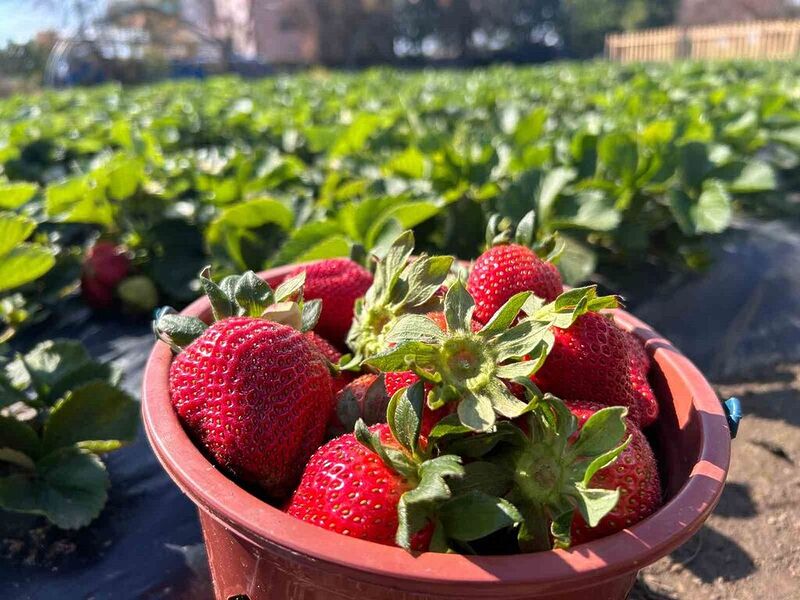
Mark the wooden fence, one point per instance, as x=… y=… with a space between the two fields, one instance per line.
x=772 y=40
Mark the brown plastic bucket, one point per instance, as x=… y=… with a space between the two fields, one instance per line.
x=257 y=551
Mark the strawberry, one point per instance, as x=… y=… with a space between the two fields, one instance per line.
x=104 y=266
x=400 y=287
x=635 y=474
x=332 y=355
x=591 y=361
x=365 y=397
x=638 y=369
x=338 y=282
x=255 y=393
x=508 y=269
x=347 y=488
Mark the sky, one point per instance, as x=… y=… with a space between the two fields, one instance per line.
x=21 y=19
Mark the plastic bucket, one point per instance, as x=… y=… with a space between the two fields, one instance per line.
x=257 y=551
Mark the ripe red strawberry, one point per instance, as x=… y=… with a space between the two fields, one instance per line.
x=104 y=266
x=635 y=474
x=365 y=398
x=508 y=269
x=348 y=489
x=338 y=282
x=591 y=362
x=257 y=396
x=332 y=355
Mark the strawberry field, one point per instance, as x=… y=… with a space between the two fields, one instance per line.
x=629 y=163
x=116 y=201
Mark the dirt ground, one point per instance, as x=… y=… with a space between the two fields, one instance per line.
x=750 y=547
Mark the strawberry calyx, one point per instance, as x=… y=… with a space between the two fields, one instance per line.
x=552 y=462
x=437 y=492
x=501 y=230
x=472 y=367
x=245 y=295
x=399 y=287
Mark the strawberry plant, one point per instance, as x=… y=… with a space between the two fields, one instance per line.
x=59 y=412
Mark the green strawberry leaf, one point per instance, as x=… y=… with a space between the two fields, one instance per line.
x=398 y=358
x=222 y=300
x=424 y=277
x=311 y=311
x=458 y=308
x=483 y=476
x=177 y=330
x=69 y=487
x=404 y=415
x=594 y=504
x=252 y=294
x=476 y=411
x=18 y=436
x=507 y=313
x=475 y=514
x=409 y=328
x=291 y=287
x=96 y=416
x=602 y=431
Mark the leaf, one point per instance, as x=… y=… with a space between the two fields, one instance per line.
x=424 y=277
x=94 y=415
x=577 y=262
x=755 y=176
x=618 y=153
x=694 y=163
x=312 y=309
x=13 y=195
x=503 y=401
x=713 y=211
x=14 y=229
x=397 y=358
x=79 y=200
x=458 y=307
x=482 y=476
x=506 y=314
x=253 y=294
x=305 y=242
x=476 y=412
x=404 y=415
x=179 y=329
x=602 y=432
x=530 y=127
x=409 y=328
x=124 y=176
x=69 y=488
x=222 y=301
x=594 y=504
x=24 y=264
x=355 y=137
x=291 y=287
x=409 y=163
x=552 y=185
x=55 y=365
x=19 y=436
x=475 y=515
x=680 y=205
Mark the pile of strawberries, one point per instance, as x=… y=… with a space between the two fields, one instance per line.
x=412 y=404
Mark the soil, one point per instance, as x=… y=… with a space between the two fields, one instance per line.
x=750 y=547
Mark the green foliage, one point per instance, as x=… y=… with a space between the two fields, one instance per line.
x=60 y=410
x=629 y=163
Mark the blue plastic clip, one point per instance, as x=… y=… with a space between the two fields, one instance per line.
x=733 y=412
